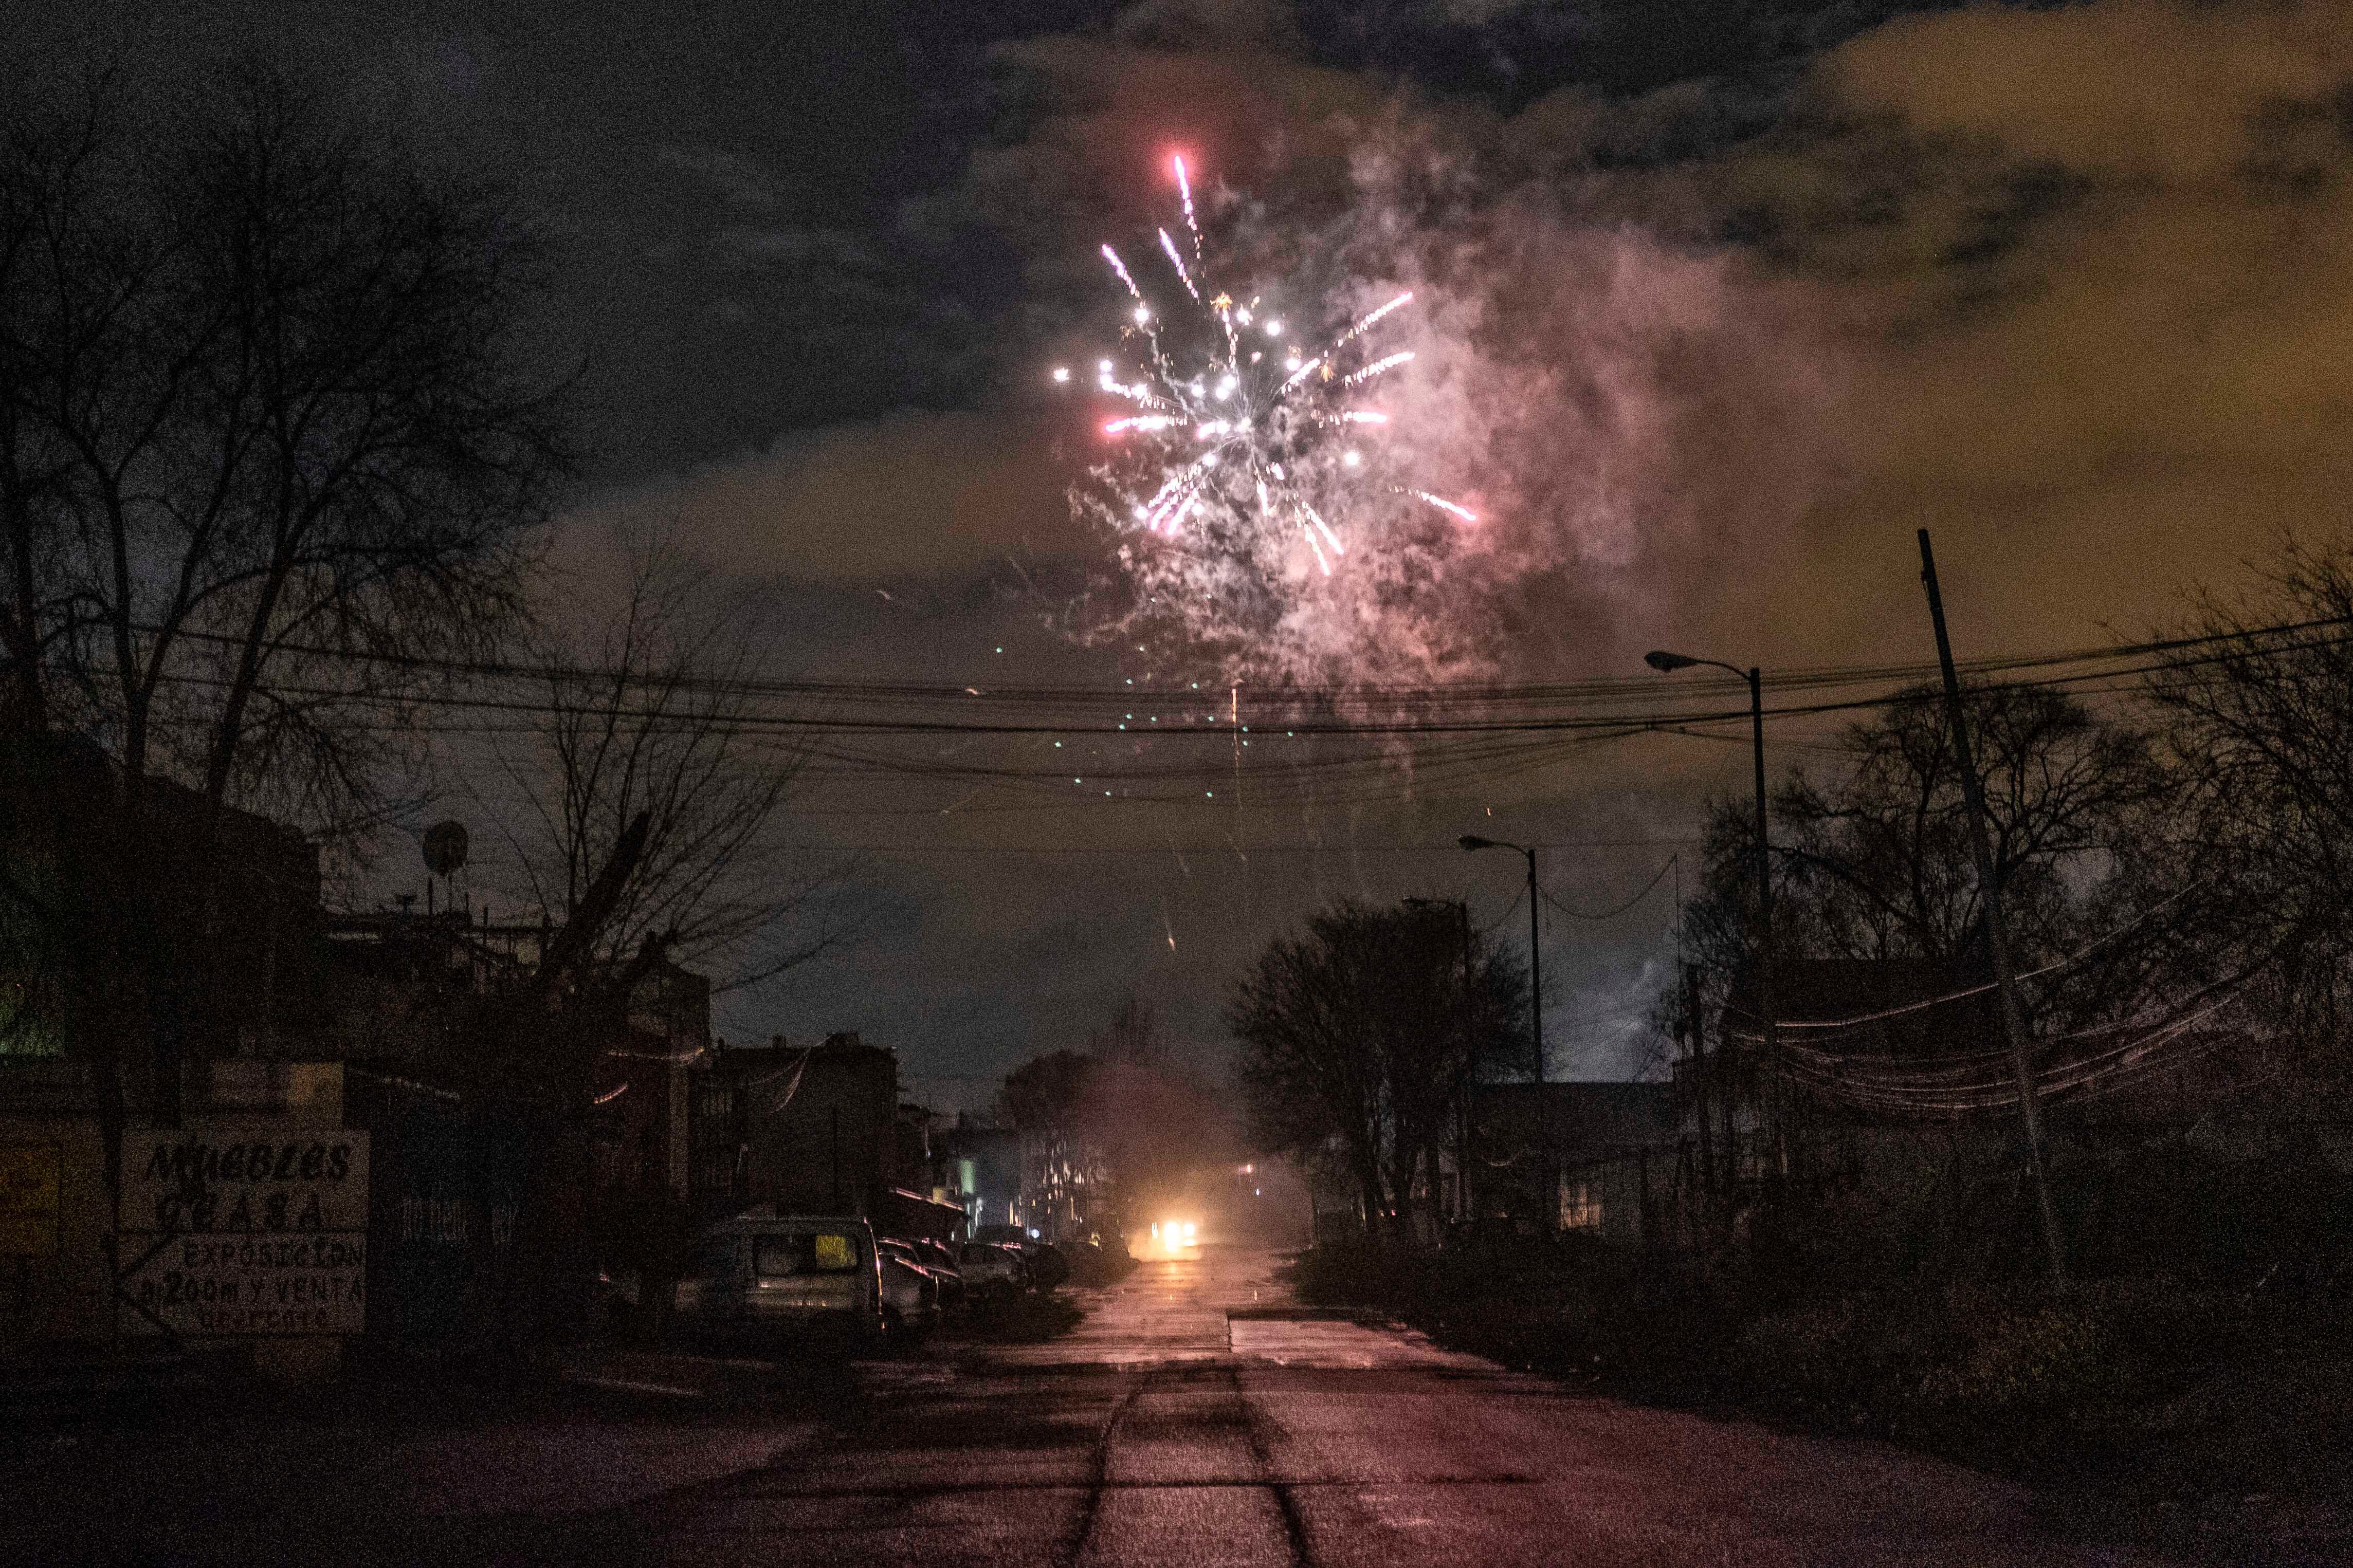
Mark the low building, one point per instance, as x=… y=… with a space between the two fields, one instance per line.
x=1592 y=1157
x=807 y=1129
x=985 y=1162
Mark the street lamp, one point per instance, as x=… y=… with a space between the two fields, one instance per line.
x=1666 y=664
x=1535 y=997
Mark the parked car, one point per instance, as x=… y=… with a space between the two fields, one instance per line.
x=616 y=1301
x=1048 y=1266
x=993 y=1270
x=911 y=1292
x=941 y=1258
x=783 y=1279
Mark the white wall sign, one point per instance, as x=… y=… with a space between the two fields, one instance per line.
x=245 y=1226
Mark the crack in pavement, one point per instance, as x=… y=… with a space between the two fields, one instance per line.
x=1091 y=1511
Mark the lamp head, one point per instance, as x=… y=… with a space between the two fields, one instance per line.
x=1473 y=841
x=1664 y=662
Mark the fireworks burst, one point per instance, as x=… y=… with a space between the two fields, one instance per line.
x=1256 y=504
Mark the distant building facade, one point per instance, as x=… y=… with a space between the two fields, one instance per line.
x=816 y=1130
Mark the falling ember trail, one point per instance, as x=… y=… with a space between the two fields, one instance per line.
x=1185 y=189
x=1177 y=261
x=1443 y=504
x=1121 y=268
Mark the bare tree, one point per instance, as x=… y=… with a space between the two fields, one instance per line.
x=1131 y=1035
x=52 y=299
x=1047 y=1096
x=273 y=451
x=2259 y=716
x=280 y=440
x=1136 y=1127
x=1872 y=862
x=1363 y=1032
x=659 y=712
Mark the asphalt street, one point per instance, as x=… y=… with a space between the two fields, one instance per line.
x=1192 y=1417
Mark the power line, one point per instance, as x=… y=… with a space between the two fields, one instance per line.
x=1660 y=876
x=1297 y=703
x=1205 y=850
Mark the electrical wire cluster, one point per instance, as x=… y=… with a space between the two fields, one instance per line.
x=1845 y=1059
x=991 y=748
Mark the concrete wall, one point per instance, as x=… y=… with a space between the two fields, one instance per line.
x=53 y=1289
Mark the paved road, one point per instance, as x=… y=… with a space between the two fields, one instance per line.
x=1172 y=1426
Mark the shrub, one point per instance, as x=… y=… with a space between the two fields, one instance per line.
x=2015 y=1356
x=1982 y=1350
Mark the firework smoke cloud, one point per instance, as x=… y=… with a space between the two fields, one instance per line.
x=1263 y=521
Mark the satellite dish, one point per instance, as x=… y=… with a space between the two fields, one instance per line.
x=445 y=848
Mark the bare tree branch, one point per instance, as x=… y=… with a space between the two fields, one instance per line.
x=648 y=714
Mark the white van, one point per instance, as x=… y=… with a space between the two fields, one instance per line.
x=783 y=1277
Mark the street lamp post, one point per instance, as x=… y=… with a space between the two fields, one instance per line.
x=1666 y=663
x=1535 y=1004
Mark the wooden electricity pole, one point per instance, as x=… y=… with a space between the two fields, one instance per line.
x=2005 y=974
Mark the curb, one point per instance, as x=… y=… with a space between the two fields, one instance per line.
x=1361 y=1317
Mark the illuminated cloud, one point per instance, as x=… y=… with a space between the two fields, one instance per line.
x=2095 y=268
x=910 y=496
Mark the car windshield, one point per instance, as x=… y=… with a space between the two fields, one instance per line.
x=978 y=1252
x=807 y=1252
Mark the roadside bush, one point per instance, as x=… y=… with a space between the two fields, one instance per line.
x=1985 y=1352
x=2013 y=1357
x=1569 y=1304
x=1990 y=1368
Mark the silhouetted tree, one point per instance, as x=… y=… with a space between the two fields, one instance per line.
x=1361 y=1032
x=1117 y=1114
x=1872 y=861
x=2261 y=723
x=275 y=439
x=1048 y=1094
x=273 y=450
x=659 y=712
x=1132 y=1035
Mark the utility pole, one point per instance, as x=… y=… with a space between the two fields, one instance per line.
x=1469 y=1206
x=2005 y=974
x=1465 y=1209
x=1778 y=1094
x=1535 y=1000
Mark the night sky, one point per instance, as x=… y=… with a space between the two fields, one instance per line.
x=1719 y=302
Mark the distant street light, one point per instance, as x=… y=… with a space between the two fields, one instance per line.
x=1666 y=664
x=1536 y=999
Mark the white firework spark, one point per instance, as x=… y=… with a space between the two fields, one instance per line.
x=1242 y=476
